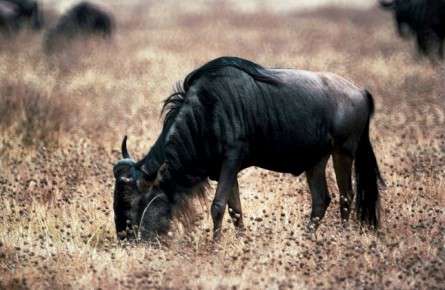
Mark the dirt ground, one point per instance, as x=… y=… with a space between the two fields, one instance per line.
x=62 y=119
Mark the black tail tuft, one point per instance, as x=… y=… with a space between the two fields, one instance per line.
x=367 y=176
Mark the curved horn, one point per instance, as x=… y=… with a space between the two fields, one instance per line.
x=125 y=153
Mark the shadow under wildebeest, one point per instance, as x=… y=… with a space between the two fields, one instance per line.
x=81 y=22
x=16 y=15
x=231 y=114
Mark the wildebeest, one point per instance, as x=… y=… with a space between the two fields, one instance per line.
x=18 y=14
x=82 y=20
x=425 y=19
x=231 y=114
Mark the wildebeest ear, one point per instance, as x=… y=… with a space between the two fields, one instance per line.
x=145 y=179
x=162 y=171
x=145 y=171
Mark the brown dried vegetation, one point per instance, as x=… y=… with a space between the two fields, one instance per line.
x=61 y=121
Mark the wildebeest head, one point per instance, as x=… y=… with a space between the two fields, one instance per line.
x=141 y=209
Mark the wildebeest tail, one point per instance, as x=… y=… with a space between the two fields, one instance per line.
x=367 y=176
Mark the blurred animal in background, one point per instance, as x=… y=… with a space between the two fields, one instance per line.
x=16 y=15
x=423 y=19
x=84 y=20
x=231 y=114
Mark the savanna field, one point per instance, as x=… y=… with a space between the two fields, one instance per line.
x=62 y=119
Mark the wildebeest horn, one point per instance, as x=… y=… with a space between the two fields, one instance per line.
x=125 y=153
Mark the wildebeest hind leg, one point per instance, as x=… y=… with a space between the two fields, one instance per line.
x=227 y=180
x=343 y=169
x=235 y=212
x=316 y=178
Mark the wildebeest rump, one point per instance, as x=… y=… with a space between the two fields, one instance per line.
x=425 y=19
x=18 y=14
x=82 y=20
x=232 y=114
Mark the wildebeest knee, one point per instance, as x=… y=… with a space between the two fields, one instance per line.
x=217 y=210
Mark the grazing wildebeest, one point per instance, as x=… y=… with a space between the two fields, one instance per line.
x=82 y=20
x=232 y=114
x=425 y=19
x=18 y=14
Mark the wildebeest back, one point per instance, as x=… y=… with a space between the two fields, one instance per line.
x=82 y=20
x=282 y=126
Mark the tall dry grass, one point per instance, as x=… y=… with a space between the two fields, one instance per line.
x=62 y=118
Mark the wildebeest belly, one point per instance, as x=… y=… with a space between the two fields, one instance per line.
x=290 y=152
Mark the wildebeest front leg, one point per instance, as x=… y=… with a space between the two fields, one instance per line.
x=343 y=169
x=226 y=183
x=316 y=178
x=235 y=212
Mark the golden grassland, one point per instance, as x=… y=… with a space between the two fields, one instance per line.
x=62 y=119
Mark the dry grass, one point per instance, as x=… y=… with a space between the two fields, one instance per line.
x=61 y=121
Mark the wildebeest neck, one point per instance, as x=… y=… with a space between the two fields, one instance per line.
x=156 y=155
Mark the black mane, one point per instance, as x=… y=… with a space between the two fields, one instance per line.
x=173 y=102
x=256 y=71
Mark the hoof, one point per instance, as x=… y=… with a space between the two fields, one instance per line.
x=217 y=235
x=240 y=232
x=313 y=224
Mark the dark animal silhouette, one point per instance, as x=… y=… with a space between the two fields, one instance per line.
x=232 y=114
x=82 y=20
x=425 y=19
x=18 y=14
